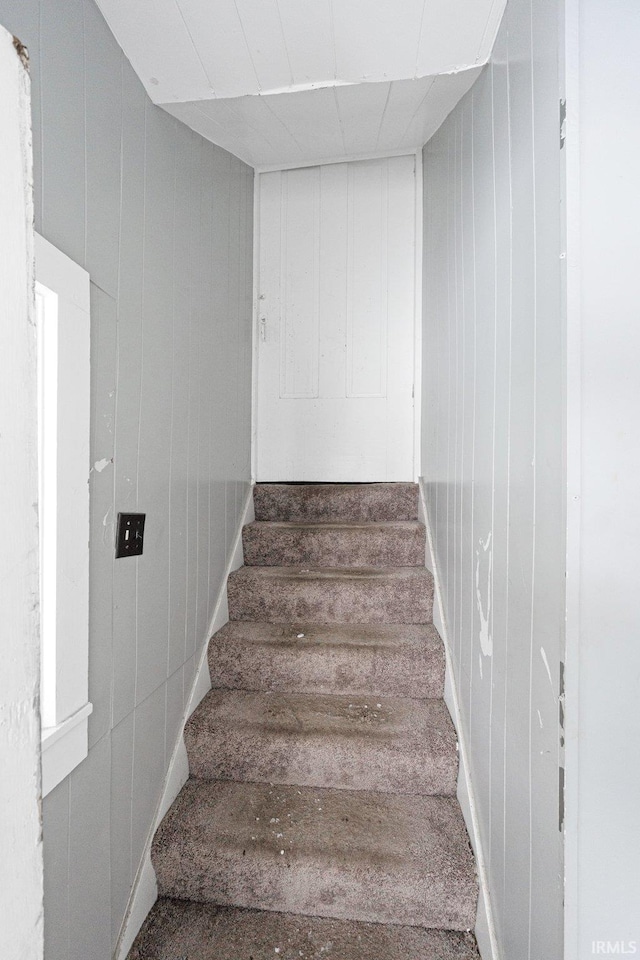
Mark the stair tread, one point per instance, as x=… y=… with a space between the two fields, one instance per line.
x=390 y=744
x=202 y=931
x=352 y=501
x=346 y=854
x=394 y=659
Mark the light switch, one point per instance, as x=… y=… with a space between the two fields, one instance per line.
x=130 y=534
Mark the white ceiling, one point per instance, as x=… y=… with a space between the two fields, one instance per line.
x=287 y=81
x=330 y=123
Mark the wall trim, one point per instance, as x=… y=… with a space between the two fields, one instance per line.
x=418 y=307
x=299 y=164
x=255 y=332
x=485 y=929
x=144 y=891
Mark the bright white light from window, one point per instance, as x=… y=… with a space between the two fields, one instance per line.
x=47 y=321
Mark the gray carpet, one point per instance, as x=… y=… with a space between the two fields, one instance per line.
x=320 y=817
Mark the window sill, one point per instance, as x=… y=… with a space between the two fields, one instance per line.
x=64 y=747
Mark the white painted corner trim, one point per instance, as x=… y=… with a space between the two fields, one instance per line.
x=144 y=891
x=485 y=929
x=64 y=747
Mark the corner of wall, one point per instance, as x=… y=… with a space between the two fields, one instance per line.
x=144 y=891
x=485 y=929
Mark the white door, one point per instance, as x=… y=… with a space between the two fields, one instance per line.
x=336 y=322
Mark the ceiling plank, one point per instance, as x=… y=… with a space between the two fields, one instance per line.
x=255 y=114
x=219 y=36
x=446 y=91
x=309 y=39
x=265 y=40
x=208 y=127
x=406 y=97
x=311 y=117
x=452 y=32
x=361 y=108
x=376 y=39
x=165 y=61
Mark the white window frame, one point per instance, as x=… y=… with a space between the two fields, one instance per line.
x=63 y=319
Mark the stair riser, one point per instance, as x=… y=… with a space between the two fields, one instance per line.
x=267 y=545
x=353 y=600
x=230 y=755
x=350 y=503
x=316 y=669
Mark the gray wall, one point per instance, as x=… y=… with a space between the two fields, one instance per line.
x=162 y=220
x=493 y=455
x=603 y=639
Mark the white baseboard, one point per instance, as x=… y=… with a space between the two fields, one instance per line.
x=485 y=930
x=144 y=892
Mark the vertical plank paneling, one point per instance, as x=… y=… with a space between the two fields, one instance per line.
x=181 y=298
x=457 y=372
x=299 y=363
x=467 y=272
x=492 y=456
x=206 y=349
x=55 y=828
x=232 y=314
x=218 y=427
x=61 y=74
x=502 y=426
x=148 y=767
x=155 y=404
x=333 y=286
x=121 y=810
x=522 y=476
x=192 y=332
x=129 y=374
x=367 y=288
x=89 y=826
x=484 y=404
x=103 y=109
x=103 y=370
x=549 y=556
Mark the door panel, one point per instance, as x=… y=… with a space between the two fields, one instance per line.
x=336 y=350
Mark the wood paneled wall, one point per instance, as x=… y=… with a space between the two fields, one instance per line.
x=162 y=221
x=493 y=413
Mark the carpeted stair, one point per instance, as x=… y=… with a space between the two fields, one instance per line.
x=320 y=818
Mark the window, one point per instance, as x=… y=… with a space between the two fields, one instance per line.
x=62 y=314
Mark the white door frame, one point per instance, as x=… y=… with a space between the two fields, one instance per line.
x=417 y=377
x=21 y=882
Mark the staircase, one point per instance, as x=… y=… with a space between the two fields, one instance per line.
x=320 y=818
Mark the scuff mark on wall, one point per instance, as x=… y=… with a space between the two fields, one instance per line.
x=485 y=635
x=108 y=535
x=560 y=799
x=546 y=665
